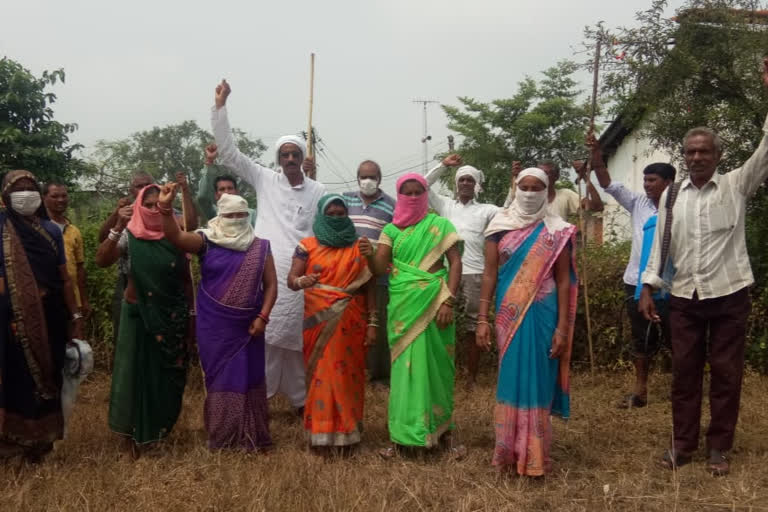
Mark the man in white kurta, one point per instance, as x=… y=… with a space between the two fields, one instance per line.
x=287 y=201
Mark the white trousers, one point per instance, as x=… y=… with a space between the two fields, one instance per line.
x=285 y=374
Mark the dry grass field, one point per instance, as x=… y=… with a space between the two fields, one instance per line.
x=605 y=459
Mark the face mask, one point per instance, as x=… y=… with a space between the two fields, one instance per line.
x=25 y=202
x=368 y=186
x=232 y=227
x=530 y=201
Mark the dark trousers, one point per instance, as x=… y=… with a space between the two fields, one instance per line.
x=378 y=355
x=726 y=319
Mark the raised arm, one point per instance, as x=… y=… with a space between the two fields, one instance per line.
x=206 y=195
x=108 y=252
x=229 y=155
x=755 y=170
x=112 y=219
x=190 y=211
x=186 y=241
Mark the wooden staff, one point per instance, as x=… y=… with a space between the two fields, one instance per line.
x=582 y=226
x=310 y=144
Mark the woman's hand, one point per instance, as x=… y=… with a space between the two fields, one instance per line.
x=366 y=247
x=483 y=336
x=168 y=194
x=257 y=327
x=559 y=340
x=308 y=280
x=370 y=336
x=123 y=217
x=444 y=316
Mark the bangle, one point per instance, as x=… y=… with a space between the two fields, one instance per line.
x=558 y=332
x=77 y=316
x=484 y=300
x=450 y=302
x=480 y=322
x=372 y=324
x=114 y=235
x=263 y=317
x=164 y=210
x=297 y=282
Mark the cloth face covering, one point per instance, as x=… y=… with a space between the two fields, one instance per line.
x=333 y=231
x=146 y=224
x=231 y=233
x=410 y=210
x=25 y=202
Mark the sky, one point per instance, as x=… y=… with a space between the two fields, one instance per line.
x=134 y=65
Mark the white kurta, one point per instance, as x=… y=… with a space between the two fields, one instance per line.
x=285 y=216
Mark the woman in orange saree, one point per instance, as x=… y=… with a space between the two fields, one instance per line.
x=338 y=296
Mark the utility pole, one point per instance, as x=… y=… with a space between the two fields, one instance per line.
x=427 y=137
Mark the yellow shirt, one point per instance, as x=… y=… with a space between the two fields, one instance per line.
x=75 y=253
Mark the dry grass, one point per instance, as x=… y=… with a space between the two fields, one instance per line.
x=605 y=460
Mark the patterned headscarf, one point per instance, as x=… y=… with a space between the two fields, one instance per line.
x=12 y=177
x=333 y=231
x=410 y=210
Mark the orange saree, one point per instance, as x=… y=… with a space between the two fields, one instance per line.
x=334 y=336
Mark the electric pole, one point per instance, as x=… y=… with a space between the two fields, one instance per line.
x=427 y=137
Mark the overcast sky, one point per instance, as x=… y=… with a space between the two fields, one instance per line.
x=138 y=64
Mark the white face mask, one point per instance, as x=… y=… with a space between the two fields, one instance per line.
x=25 y=202
x=530 y=201
x=368 y=186
x=232 y=227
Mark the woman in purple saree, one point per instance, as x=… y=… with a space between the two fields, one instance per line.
x=237 y=290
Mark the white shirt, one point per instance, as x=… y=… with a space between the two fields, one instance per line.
x=470 y=221
x=565 y=203
x=285 y=216
x=708 y=247
x=641 y=208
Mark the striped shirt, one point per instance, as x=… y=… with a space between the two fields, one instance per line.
x=370 y=219
x=707 y=246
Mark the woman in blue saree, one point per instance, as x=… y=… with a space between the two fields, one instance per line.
x=529 y=263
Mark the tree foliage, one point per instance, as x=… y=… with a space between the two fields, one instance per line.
x=162 y=152
x=29 y=136
x=545 y=119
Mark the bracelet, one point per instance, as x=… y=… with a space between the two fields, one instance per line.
x=297 y=282
x=264 y=317
x=484 y=300
x=480 y=322
x=77 y=316
x=450 y=302
x=558 y=332
x=114 y=235
x=164 y=210
x=371 y=324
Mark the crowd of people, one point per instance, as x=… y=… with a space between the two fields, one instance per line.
x=316 y=294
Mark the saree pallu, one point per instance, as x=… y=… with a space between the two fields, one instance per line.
x=531 y=386
x=33 y=336
x=230 y=296
x=334 y=343
x=422 y=375
x=151 y=354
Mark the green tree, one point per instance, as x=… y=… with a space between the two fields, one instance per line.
x=162 y=152
x=29 y=137
x=543 y=120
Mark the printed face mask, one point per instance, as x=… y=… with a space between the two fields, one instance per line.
x=530 y=201
x=368 y=186
x=25 y=202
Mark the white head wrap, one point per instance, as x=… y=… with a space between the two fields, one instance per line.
x=230 y=233
x=476 y=174
x=289 y=139
x=513 y=217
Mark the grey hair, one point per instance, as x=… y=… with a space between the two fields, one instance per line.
x=370 y=162
x=709 y=132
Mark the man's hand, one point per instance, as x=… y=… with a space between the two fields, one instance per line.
x=123 y=217
x=222 y=93
x=453 y=160
x=85 y=308
x=168 y=194
x=370 y=336
x=181 y=180
x=309 y=167
x=517 y=167
x=581 y=169
x=211 y=152
x=646 y=306
x=366 y=247
x=596 y=152
x=123 y=201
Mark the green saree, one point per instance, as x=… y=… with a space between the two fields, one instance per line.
x=151 y=353
x=422 y=377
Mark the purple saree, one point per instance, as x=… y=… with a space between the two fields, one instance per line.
x=229 y=298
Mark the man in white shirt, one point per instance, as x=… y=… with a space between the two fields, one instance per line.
x=287 y=202
x=646 y=341
x=470 y=219
x=710 y=300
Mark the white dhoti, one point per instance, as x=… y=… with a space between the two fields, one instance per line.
x=285 y=374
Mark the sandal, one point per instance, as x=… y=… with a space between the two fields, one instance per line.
x=388 y=453
x=718 y=464
x=632 y=401
x=674 y=460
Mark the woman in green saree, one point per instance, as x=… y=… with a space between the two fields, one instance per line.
x=151 y=351
x=420 y=322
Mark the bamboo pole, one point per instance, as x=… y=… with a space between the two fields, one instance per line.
x=582 y=226
x=310 y=143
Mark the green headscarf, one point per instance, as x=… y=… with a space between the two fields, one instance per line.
x=333 y=231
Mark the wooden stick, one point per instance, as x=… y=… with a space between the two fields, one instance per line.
x=310 y=145
x=582 y=226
